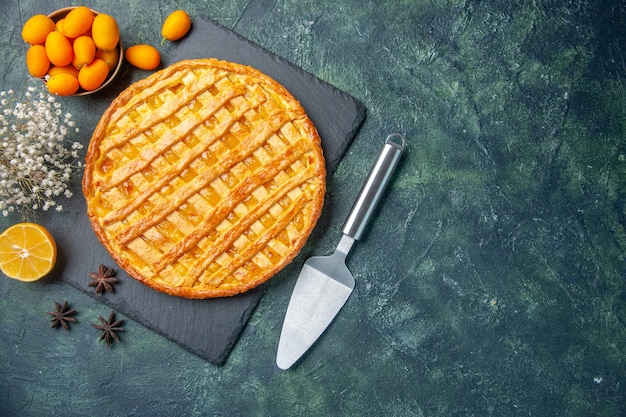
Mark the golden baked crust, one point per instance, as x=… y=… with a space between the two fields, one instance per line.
x=204 y=179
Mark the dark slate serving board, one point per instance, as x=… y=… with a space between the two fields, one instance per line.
x=210 y=328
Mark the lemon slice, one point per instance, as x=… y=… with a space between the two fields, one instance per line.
x=28 y=252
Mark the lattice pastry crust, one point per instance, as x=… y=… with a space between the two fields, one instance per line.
x=204 y=179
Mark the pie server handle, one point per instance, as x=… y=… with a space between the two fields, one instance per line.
x=374 y=186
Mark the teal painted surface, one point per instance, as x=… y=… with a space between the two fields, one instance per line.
x=492 y=281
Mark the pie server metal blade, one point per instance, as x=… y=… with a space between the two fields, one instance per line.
x=325 y=283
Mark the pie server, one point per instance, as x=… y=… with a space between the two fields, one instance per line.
x=325 y=283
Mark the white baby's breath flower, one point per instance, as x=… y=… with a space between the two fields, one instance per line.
x=36 y=160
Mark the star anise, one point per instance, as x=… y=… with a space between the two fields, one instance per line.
x=62 y=316
x=109 y=329
x=103 y=280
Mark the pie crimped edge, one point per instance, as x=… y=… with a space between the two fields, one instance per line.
x=106 y=182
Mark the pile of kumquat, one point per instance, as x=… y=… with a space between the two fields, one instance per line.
x=78 y=51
